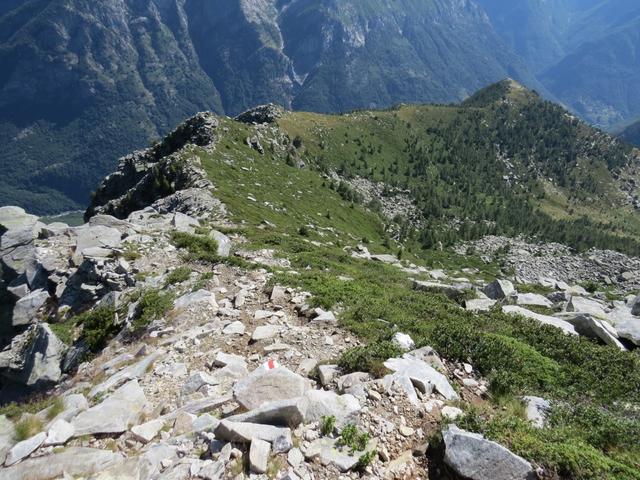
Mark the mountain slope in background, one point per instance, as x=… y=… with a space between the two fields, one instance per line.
x=584 y=52
x=631 y=134
x=84 y=82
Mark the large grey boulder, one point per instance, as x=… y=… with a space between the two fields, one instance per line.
x=499 y=289
x=115 y=414
x=473 y=457
x=33 y=359
x=586 y=305
x=264 y=386
x=627 y=326
x=98 y=236
x=563 y=325
x=74 y=461
x=589 y=326
x=479 y=304
x=12 y=218
x=316 y=404
x=534 y=299
x=26 y=309
x=309 y=408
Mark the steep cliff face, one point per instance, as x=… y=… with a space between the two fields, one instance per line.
x=85 y=82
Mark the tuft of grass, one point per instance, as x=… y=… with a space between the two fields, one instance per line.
x=328 y=425
x=28 y=427
x=56 y=408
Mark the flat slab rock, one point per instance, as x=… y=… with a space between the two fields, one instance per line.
x=472 y=456
x=264 y=386
x=566 y=327
x=115 y=414
x=74 y=461
x=244 y=432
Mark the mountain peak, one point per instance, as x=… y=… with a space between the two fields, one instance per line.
x=507 y=90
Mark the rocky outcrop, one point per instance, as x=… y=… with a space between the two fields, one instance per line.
x=165 y=174
x=269 y=113
x=33 y=359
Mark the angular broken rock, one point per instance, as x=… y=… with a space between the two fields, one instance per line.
x=259 y=455
x=326 y=451
x=34 y=357
x=403 y=341
x=242 y=432
x=25 y=448
x=479 y=304
x=499 y=289
x=589 y=326
x=327 y=373
x=25 y=310
x=59 y=432
x=411 y=373
x=533 y=299
x=472 y=456
x=196 y=381
x=316 y=404
x=200 y=298
x=224 y=243
x=234 y=328
x=586 y=305
x=113 y=415
x=147 y=431
x=265 y=332
x=326 y=317
x=537 y=410
x=280 y=413
x=264 y=386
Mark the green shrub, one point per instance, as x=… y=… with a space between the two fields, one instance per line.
x=351 y=437
x=98 y=327
x=178 y=275
x=152 y=305
x=369 y=358
x=199 y=247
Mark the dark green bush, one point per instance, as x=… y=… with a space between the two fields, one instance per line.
x=98 y=327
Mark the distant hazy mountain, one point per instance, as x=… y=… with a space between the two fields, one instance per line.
x=83 y=82
x=585 y=52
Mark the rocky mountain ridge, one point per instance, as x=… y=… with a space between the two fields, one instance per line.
x=208 y=360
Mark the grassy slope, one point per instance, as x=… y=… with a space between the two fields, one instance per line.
x=593 y=439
